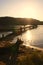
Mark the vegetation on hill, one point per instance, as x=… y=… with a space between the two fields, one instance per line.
x=26 y=56
x=30 y=57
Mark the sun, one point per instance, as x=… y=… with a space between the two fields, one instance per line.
x=28 y=12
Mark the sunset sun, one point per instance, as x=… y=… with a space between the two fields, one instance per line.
x=28 y=12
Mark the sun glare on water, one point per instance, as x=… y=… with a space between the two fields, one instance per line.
x=27 y=37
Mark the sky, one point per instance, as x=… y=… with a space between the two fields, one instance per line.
x=22 y=8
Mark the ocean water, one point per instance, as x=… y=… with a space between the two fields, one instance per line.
x=32 y=37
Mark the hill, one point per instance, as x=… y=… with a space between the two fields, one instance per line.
x=18 y=21
x=10 y=22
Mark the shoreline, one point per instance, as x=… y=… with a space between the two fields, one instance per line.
x=37 y=48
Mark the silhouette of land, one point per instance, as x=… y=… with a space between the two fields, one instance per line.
x=8 y=23
x=25 y=56
x=18 y=21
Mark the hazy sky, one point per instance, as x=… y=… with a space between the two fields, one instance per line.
x=22 y=8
